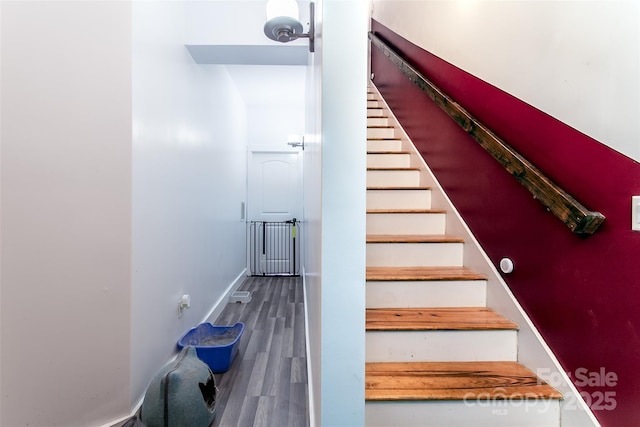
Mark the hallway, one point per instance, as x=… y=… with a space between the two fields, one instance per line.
x=267 y=382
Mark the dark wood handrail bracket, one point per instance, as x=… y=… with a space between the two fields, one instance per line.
x=571 y=212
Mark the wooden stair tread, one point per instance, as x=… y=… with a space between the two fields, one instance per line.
x=436 y=319
x=413 y=238
x=403 y=211
x=383 y=139
x=485 y=381
x=380 y=127
x=400 y=188
x=422 y=273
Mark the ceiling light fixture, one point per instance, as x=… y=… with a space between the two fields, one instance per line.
x=283 y=24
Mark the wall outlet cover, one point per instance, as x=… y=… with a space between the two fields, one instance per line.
x=635 y=213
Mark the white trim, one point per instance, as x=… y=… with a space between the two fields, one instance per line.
x=533 y=351
x=134 y=411
x=219 y=305
x=117 y=420
x=310 y=404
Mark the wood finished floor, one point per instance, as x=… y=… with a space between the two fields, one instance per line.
x=267 y=382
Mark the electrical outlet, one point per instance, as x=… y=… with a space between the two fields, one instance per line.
x=183 y=304
x=185 y=301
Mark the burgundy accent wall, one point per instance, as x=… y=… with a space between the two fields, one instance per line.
x=583 y=293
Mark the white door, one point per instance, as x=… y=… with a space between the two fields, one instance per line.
x=275 y=200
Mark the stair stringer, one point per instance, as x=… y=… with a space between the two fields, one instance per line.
x=533 y=351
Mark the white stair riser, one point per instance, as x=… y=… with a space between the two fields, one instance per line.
x=414 y=254
x=433 y=293
x=381 y=132
x=438 y=346
x=393 y=178
x=464 y=413
x=377 y=121
x=398 y=199
x=375 y=112
x=371 y=96
x=400 y=160
x=372 y=103
x=384 y=145
x=405 y=223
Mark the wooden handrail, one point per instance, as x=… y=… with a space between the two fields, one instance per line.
x=571 y=212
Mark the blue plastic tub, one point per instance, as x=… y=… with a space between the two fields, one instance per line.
x=217 y=346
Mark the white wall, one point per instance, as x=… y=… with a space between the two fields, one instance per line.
x=189 y=179
x=578 y=61
x=114 y=145
x=269 y=126
x=335 y=193
x=275 y=99
x=66 y=206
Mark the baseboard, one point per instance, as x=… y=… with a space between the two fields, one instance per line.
x=310 y=400
x=119 y=421
x=217 y=308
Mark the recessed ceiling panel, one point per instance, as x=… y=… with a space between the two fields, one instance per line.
x=249 y=54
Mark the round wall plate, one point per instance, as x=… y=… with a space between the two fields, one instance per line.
x=506 y=265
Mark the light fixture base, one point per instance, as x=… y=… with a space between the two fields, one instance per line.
x=284 y=29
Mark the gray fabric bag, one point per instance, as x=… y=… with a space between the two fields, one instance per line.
x=182 y=394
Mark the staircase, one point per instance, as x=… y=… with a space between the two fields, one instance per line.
x=435 y=354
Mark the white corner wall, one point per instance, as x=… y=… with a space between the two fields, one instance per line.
x=578 y=61
x=66 y=212
x=335 y=206
x=123 y=171
x=312 y=218
x=189 y=180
